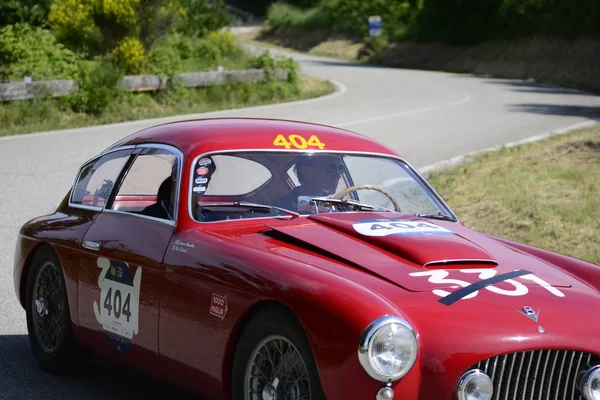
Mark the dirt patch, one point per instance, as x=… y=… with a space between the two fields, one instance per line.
x=569 y=63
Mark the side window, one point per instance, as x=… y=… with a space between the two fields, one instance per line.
x=96 y=179
x=149 y=187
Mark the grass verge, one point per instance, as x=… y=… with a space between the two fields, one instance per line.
x=18 y=117
x=546 y=194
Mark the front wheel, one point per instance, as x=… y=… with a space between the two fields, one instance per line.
x=273 y=361
x=48 y=319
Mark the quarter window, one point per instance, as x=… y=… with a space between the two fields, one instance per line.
x=96 y=179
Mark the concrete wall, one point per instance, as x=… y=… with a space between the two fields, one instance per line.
x=137 y=83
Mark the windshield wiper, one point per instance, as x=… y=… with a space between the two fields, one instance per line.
x=254 y=206
x=359 y=205
x=439 y=215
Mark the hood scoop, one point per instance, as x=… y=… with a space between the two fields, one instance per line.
x=417 y=240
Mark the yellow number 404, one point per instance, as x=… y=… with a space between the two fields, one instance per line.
x=298 y=142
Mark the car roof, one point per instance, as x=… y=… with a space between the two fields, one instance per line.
x=198 y=136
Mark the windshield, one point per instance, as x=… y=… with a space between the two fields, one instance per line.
x=289 y=180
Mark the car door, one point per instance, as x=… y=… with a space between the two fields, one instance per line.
x=120 y=276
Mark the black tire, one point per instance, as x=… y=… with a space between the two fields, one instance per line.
x=271 y=324
x=57 y=352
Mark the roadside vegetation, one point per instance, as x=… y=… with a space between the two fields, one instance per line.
x=551 y=41
x=545 y=194
x=451 y=21
x=97 y=43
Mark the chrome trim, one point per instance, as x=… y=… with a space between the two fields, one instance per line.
x=164 y=221
x=464 y=380
x=91 y=245
x=96 y=157
x=461 y=261
x=364 y=345
x=592 y=374
x=539 y=374
x=178 y=153
x=412 y=169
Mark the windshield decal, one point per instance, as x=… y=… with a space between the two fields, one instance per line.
x=398 y=227
x=298 y=142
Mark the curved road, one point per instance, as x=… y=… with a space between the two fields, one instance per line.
x=426 y=116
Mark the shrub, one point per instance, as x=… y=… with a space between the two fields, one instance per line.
x=32 y=12
x=281 y=15
x=130 y=56
x=27 y=51
x=200 y=17
x=97 y=87
x=351 y=16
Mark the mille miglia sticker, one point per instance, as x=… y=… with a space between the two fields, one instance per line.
x=218 y=306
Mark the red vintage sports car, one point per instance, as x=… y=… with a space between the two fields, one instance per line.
x=256 y=259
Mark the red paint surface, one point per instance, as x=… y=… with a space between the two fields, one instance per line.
x=335 y=280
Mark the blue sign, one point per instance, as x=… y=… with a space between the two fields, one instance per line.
x=375 y=25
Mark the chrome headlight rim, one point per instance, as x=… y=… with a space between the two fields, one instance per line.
x=461 y=387
x=586 y=382
x=365 y=345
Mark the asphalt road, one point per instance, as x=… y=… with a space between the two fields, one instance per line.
x=426 y=116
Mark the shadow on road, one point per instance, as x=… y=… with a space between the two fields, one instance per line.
x=21 y=378
x=534 y=87
x=557 y=109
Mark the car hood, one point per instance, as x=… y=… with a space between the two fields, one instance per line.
x=419 y=254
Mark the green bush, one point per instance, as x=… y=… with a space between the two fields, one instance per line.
x=200 y=17
x=32 y=12
x=28 y=51
x=97 y=87
x=352 y=16
x=281 y=15
x=270 y=64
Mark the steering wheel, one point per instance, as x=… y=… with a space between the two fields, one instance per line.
x=342 y=193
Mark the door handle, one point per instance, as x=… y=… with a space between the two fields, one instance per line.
x=91 y=245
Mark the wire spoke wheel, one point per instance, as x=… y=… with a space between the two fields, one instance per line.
x=48 y=306
x=276 y=371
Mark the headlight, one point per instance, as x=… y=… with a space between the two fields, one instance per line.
x=475 y=385
x=590 y=384
x=388 y=349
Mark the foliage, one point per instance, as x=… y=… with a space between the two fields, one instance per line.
x=270 y=64
x=179 y=53
x=281 y=15
x=130 y=56
x=32 y=12
x=351 y=16
x=50 y=114
x=98 y=26
x=452 y=21
x=28 y=51
x=200 y=17
x=97 y=87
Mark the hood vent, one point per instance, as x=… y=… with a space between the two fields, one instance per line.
x=461 y=261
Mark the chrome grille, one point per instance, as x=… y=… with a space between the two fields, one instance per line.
x=537 y=374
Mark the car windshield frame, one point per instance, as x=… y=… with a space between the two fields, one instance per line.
x=409 y=168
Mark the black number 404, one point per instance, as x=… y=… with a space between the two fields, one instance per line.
x=115 y=303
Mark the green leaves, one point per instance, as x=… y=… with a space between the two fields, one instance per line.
x=28 y=51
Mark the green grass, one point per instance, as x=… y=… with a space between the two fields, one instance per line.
x=546 y=194
x=18 y=117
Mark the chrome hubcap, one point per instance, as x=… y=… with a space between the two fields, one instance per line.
x=49 y=309
x=269 y=393
x=276 y=371
x=41 y=307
